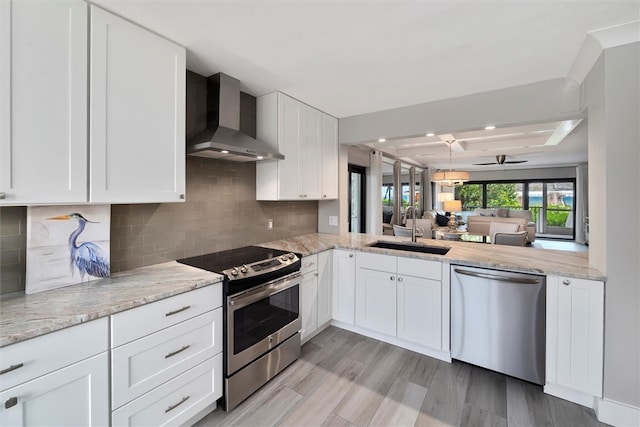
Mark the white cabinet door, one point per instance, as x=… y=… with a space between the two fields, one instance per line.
x=308 y=304
x=575 y=323
x=137 y=113
x=376 y=300
x=77 y=395
x=289 y=134
x=43 y=102
x=324 y=286
x=329 y=162
x=309 y=174
x=343 y=295
x=419 y=311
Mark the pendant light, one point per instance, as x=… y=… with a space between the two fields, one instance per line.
x=450 y=177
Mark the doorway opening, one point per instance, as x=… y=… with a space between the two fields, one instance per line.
x=357 y=199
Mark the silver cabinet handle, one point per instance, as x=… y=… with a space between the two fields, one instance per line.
x=11 y=402
x=566 y=282
x=498 y=277
x=172 y=407
x=173 y=353
x=3 y=195
x=171 y=313
x=392 y=278
x=182 y=197
x=399 y=279
x=12 y=368
x=350 y=255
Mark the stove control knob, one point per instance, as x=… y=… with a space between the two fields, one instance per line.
x=234 y=271
x=284 y=257
x=243 y=269
x=291 y=256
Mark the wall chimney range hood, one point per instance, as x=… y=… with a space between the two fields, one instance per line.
x=213 y=121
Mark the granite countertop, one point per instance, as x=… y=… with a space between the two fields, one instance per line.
x=522 y=259
x=28 y=316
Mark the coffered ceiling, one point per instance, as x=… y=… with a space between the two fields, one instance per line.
x=352 y=57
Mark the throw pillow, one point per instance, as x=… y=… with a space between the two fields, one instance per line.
x=442 y=220
x=502 y=212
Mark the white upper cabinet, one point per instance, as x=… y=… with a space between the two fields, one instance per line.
x=43 y=102
x=137 y=113
x=308 y=139
x=330 y=159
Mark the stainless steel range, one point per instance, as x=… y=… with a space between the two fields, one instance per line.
x=262 y=315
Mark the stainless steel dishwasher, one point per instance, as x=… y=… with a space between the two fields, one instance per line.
x=498 y=321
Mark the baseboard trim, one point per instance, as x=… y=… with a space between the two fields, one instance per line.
x=436 y=354
x=617 y=413
x=571 y=395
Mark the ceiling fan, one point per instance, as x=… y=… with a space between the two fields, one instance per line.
x=501 y=159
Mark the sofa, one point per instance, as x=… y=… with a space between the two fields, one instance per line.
x=479 y=222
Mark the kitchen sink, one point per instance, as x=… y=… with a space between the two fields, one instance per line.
x=410 y=247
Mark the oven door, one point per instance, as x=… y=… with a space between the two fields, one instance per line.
x=260 y=319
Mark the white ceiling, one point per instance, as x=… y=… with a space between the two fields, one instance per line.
x=352 y=57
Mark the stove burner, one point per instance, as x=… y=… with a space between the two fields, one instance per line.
x=246 y=267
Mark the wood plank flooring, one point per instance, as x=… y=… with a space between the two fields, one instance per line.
x=345 y=379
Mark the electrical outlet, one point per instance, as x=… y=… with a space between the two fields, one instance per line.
x=269 y=223
x=333 y=220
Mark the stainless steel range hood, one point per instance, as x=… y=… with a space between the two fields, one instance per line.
x=213 y=121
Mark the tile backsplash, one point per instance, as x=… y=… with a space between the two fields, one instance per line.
x=220 y=213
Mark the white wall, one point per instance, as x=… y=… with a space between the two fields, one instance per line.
x=612 y=96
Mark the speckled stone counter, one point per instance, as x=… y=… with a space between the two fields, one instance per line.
x=28 y=316
x=523 y=259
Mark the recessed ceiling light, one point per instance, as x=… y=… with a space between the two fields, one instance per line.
x=490 y=127
x=224 y=152
x=259 y=157
x=430 y=134
x=382 y=140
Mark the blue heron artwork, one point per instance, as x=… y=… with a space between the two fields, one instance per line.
x=66 y=245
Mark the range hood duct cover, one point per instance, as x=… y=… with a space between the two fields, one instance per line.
x=221 y=138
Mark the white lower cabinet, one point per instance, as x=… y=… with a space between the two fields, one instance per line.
x=325 y=277
x=376 y=300
x=315 y=293
x=170 y=373
x=343 y=293
x=402 y=298
x=309 y=296
x=574 y=338
x=419 y=305
x=56 y=379
x=176 y=401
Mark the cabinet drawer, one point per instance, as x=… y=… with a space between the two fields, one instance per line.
x=309 y=264
x=376 y=262
x=176 y=401
x=50 y=352
x=140 y=321
x=146 y=363
x=419 y=268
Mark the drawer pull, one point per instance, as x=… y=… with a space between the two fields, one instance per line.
x=173 y=353
x=566 y=282
x=11 y=402
x=172 y=407
x=12 y=368
x=171 y=313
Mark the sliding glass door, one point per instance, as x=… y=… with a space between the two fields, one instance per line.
x=552 y=208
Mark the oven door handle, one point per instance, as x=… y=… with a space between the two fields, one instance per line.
x=244 y=299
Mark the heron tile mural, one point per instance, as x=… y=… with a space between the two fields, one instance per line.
x=66 y=245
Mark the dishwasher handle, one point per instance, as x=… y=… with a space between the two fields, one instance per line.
x=523 y=280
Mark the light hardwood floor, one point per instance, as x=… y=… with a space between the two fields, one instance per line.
x=345 y=379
